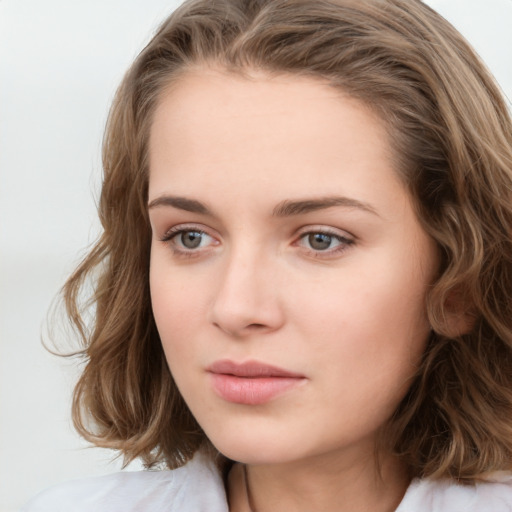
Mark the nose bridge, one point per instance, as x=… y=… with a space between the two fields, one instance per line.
x=246 y=296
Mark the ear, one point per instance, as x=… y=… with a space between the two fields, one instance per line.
x=459 y=314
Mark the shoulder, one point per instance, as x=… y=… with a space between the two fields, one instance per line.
x=197 y=487
x=448 y=496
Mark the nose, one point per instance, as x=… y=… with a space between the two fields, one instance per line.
x=247 y=296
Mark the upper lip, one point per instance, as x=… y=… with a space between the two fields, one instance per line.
x=250 y=369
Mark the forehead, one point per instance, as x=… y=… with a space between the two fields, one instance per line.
x=296 y=131
x=202 y=98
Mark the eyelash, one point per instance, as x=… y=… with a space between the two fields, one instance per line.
x=176 y=231
x=344 y=242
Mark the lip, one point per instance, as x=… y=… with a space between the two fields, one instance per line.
x=251 y=382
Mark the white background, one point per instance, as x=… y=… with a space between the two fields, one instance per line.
x=60 y=62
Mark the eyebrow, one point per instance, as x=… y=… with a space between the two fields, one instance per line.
x=288 y=208
x=182 y=203
x=285 y=208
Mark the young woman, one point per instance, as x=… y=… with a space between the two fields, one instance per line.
x=303 y=287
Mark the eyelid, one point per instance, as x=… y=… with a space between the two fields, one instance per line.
x=346 y=241
x=183 y=252
x=180 y=228
x=328 y=230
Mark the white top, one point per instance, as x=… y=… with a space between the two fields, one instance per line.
x=198 y=487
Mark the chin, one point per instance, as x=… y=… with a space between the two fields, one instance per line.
x=254 y=450
x=260 y=450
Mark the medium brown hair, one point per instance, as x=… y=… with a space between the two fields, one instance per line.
x=452 y=137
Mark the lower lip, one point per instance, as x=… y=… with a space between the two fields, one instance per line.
x=252 y=391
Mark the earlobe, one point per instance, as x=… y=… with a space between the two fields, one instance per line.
x=459 y=314
x=459 y=324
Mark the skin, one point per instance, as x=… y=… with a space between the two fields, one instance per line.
x=348 y=314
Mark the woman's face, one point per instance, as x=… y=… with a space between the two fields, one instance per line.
x=288 y=269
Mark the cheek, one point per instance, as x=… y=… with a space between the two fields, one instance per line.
x=174 y=302
x=379 y=297
x=368 y=342
x=374 y=313
x=175 y=314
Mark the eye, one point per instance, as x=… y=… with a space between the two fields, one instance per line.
x=184 y=240
x=191 y=239
x=320 y=241
x=326 y=242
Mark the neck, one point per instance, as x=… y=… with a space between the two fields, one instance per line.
x=319 y=484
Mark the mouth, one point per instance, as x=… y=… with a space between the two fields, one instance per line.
x=252 y=382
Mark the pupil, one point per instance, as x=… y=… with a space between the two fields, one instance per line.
x=191 y=239
x=319 y=241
